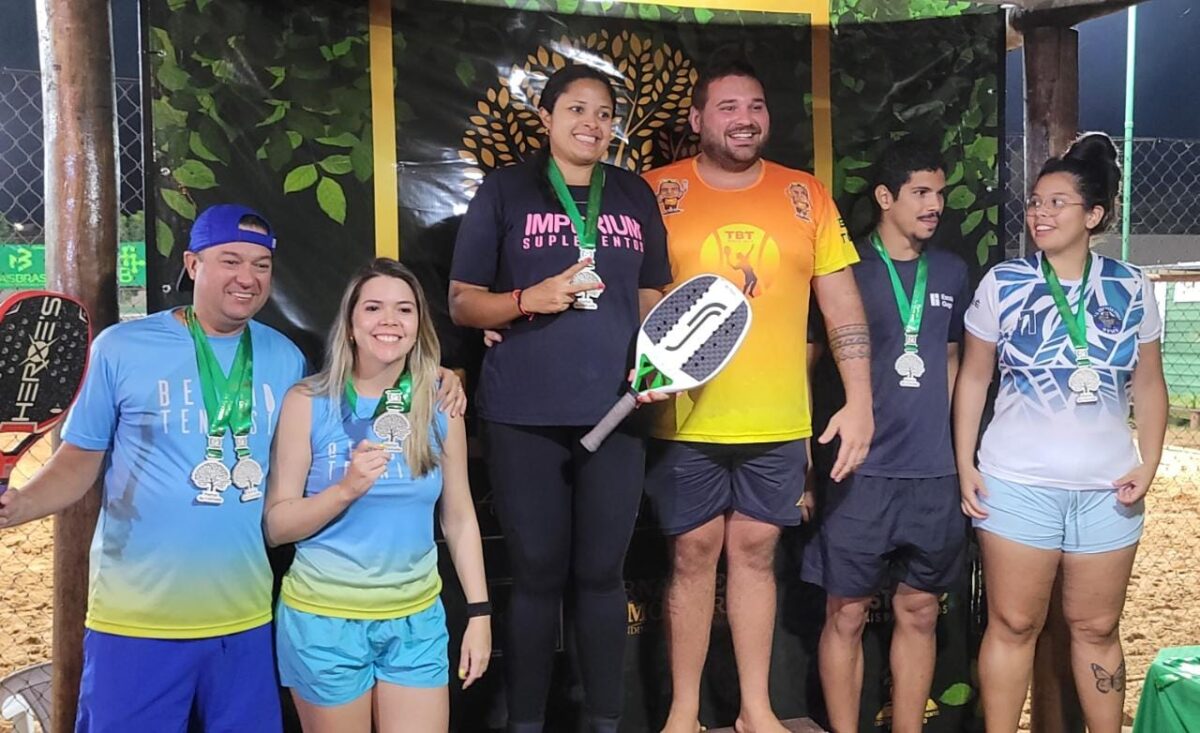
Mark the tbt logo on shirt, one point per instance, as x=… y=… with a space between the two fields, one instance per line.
x=745 y=254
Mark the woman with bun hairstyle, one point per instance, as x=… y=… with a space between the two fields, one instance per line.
x=565 y=254
x=1060 y=478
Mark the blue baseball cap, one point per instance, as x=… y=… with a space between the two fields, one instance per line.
x=222 y=224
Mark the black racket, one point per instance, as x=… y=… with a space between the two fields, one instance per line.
x=44 y=341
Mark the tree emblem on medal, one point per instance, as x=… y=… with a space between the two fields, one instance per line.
x=911 y=367
x=1084 y=382
x=587 y=299
x=248 y=476
x=211 y=477
x=393 y=428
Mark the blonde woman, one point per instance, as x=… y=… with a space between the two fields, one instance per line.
x=361 y=458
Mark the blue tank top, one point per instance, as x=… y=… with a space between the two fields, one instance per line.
x=378 y=558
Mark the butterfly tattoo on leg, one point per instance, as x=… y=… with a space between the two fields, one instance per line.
x=1107 y=682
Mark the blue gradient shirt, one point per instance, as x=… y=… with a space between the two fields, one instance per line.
x=377 y=559
x=163 y=565
x=1040 y=435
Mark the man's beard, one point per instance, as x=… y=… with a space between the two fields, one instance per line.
x=715 y=149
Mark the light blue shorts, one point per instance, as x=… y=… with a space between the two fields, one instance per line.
x=1071 y=520
x=332 y=661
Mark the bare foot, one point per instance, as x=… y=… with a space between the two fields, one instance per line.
x=680 y=722
x=758 y=723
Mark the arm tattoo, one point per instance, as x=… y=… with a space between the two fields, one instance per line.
x=1106 y=682
x=850 y=342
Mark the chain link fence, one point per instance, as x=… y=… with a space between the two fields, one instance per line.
x=1164 y=201
x=22 y=210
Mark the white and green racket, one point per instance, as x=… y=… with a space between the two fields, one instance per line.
x=686 y=340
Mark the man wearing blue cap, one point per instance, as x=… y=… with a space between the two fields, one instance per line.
x=178 y=410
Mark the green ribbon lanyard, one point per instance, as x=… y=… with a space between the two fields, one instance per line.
x=227 y=400
x=584 y=231
x=1076 y=322
x=911 y=312
x=397 y=398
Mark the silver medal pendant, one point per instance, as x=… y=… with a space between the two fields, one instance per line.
x=910 y=366
x=586 y=300
x=393 y=428
x=1084 y=382
x=212 y=477
x=248 y=476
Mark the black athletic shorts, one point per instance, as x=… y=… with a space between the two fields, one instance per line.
x=691 y=483
x=875 y=530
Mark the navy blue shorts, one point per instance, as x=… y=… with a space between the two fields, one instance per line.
x=873 y=531
x=691 y=483
x=227 y=683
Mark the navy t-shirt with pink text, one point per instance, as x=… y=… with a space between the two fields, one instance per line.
x=567 y=368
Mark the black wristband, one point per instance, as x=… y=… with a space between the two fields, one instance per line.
x=483 y=608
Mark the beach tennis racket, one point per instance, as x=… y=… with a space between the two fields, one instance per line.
x=44 y=340
x=686 y=340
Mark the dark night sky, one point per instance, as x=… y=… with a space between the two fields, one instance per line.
x=1167 y=96
x=18 y=36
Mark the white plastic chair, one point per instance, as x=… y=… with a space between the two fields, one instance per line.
x=25 y=698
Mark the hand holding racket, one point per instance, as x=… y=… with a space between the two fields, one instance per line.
x=686 y=339
x=44 y=339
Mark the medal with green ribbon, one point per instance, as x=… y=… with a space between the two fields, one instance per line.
x=586 y=232
x=228 y=403
x=391 y=425
x=909 y=365
x=1085 y=380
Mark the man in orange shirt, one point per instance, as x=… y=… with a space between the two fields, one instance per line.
x=728 y=460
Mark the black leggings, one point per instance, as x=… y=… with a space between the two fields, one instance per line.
x=565 y=512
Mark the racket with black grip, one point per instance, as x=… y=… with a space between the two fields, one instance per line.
x=44 y=340
x=686 y=340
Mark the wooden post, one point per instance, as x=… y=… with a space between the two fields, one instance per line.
x=1051 y=95
x=1051 y=123
x=78 y=105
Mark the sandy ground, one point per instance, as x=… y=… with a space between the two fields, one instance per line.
x=1165 y=583
x=1165 y=587
x=27 y=564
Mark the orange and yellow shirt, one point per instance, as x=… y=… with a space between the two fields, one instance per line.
x=770 y=238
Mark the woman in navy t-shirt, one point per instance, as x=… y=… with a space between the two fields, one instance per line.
x=565 y=254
